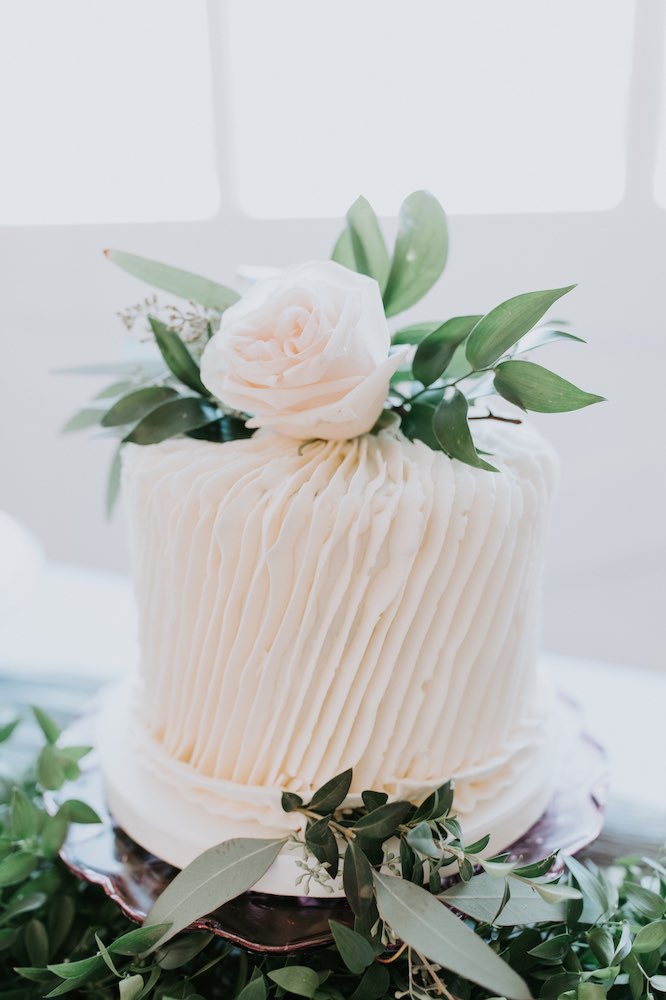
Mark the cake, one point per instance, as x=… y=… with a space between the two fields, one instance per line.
x=354 y=585
x=367 y=603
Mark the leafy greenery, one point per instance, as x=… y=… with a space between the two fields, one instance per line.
x=453 y=365
x=589 y=934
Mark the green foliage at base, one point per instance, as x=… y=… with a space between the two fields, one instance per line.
x=60 y=937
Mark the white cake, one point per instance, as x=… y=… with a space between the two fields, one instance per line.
x=306 y=607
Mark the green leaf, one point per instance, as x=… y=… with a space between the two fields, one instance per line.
x=79 y=812
x=74 y=753
x=26 y=972
x=537 y=868
x=602 y=945
x=54 y=834
x=61 y=917
x=184 y=284
x=343 y=251
x=465 y=869
x=481 y=897
x=420 y=839
x=382 y=822
x=368 y=247
x=374 y=985
x=658 y=983
x=113 y=482
x=131 y=987
x=644 y=901
x=106 y=955
x=357 y=879
x=115 y=390
x=590 y=991
x=595 y=895
x=478 y=845
x=132 y=369
x=77 y=970
x=222 y=429
x=330 y=796
x=183 y=949
x=177 y=357
x=452 y=430
x=138 y=940
x=504 y=325
x=407 y=860
x=428 y=926
x=83 y=419
x=23 y=904
x=69 y=986
x=136 y=404
x=497 y=867
x=417 y=425
x=254 y=990
x=291 y=802
x=436 y=805
x=297 y=979
x=543 y=336
x=650 y=938
x=36 y=941
x=435 y=352
x=216 y=876
x=172 y=418
x=373 y=800
x=50 y=728
x=415 y=332
x=552 y=949
x=355 y=951
x=505 y=900
x=623 y=946
x=7 y=730
x=535 y=388
x=636 y=977
x=16 y=868
x=552 y=892
x=23 y=818
x=321 y=841
x=420 y=252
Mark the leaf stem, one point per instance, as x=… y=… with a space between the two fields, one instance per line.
x=441 y=988
x=395 y=956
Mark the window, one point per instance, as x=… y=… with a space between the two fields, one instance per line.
x=510 y=106
x=123 y=130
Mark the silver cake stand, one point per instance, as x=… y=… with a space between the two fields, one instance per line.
x=102 y=854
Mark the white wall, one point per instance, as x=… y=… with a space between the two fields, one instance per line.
x=605 y=585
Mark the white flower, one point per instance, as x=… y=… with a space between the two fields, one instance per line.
x=306 y=353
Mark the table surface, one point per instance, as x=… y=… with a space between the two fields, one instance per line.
x=78 y=631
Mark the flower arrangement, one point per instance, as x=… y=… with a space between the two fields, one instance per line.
x=309 y=353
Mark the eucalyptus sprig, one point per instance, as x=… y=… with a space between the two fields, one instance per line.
x=59 y=936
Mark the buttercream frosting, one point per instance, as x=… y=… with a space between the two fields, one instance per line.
x=308 y=607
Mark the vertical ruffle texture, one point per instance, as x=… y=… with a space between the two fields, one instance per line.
x=308 y=607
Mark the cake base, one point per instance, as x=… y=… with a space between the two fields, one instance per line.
x=175 y=814
x=104 y=855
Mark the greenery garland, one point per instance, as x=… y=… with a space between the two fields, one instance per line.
x=592 y=933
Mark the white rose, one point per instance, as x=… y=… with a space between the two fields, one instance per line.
x=306 y=353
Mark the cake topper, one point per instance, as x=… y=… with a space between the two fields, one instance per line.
x=308 y=351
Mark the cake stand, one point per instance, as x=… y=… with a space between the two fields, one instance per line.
x=102 y=854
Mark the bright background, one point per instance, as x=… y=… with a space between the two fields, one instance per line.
x=212 y=135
